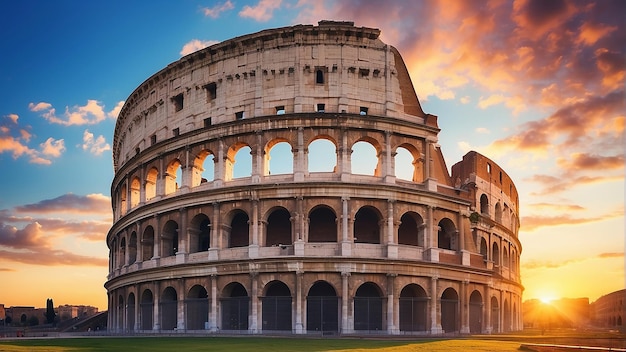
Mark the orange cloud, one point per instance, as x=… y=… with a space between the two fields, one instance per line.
x=95 y=146
x=69 y=203
x=52 y=147
x=195 y=45
x=547 y=264
x=533 y=222
x=88 y=114
x=262 y=12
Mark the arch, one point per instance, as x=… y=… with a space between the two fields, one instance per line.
x=147 y=243
x=239 y=230
x=367 y=225
x=322 y=225
x=450 y=310
x=368 y=308
x=132 y=248
x=168 y=307
x=235 y=306
x=135 y=186
x=484 y=204
x=483 y=248
x=123 y=205
x=495 y=315
x=169 y=239
x=130 y=312
x=197 y=308
x=506 y=319
x=322 y=314
x=505 y=256
x=120 y=312
x=204 y=168
x=171 y=176
x=318 y=154
x=411 y=229
x=319 y=76
x=151 y=181
x=238 y=162
x=199 y=234
x=276 y=305
x=498 y=212
x=407 y=164
x=122 y=257
x=495 y=254
x=278 y=229
x=619 y=320
x=413 y=304
x=476 y=312
x=278 y=158
x=447 y=237
x=368 y=160
x=147 y=310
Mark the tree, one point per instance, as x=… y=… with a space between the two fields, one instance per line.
x=50 y=311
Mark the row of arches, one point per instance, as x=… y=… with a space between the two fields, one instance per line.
x=276 y=307
x=502 y=214
x=500 y=255
x=279 y=156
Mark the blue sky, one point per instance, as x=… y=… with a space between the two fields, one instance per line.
x=536 y=86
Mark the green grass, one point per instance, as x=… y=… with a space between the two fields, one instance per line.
x=244 y=344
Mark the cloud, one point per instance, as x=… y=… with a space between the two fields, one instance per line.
x=13 y=117
x=584 y=161
x=548 y=264
x=553 y=206
x=88 y=114
x=495 y=99
x=116 y=110
x=95 y=146
x=52 y=147
x=533 y=222
x=216 y=11
x=69 y=203
x=30 y=236
x=52 y=257
x=262 y=12
x=195 y=45
x=482 y=130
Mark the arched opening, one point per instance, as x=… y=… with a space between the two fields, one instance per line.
x=122 y=257
x=319 y=77
x=234 y=306
x=495 y=315
x=506 y=322
x=172 y=178
x=413 y=308
x=368 y=308
x=322 y=308
x=204 y=168
x=169 y=238
x=120 y=312
x=278 y=158
x=239 y=230
x=322 y=156
x=276 y=307
x=147 y=243
x=411 y=229
x=238 y=162
x=450 y=310
x=484 y=205
x=197 y=308
x=322 y=225
x=495 y=254
x=168 y=308
x=505 y=257
x=135 y=186
x=483 y=248
x=476 y=312
x=498 y=211
x=367 y=156
x=407 y=164
x=447 y=237
x=151 y=181
x=147 y=310
x=199 y=234
x=130 y=312
x=367 y=225
x=122 y=194
x=278 y=229
x=132 y=248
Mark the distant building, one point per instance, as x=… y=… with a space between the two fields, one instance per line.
x=337 y=250
x=3 y=313
x=22 y=314
x=609 y=311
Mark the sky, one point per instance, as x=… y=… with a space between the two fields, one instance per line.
x=537 y=86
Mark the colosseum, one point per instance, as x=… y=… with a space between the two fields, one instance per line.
x=289 y=182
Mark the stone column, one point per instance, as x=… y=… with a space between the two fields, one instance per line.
x=391 y=302
x=346 y=323
x=300 y=156
x=183 y=237
x=389 y=174
x=216 y=233
x=435 y=320
x=253 y=248
x=432 y=233
x=465 y=307
x=257 y=159
x=299 y=326
x=156 y=318
x=488 y=326
x=392 y=245
x=220 y=166
x=346 y=242
x=254 y=302
x=213 y=312
x=344 y=160
x=180 y=306
x=156 y=241
x=142 y=182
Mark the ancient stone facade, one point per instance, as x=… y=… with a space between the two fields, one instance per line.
x=289 y=247
x=609 y=311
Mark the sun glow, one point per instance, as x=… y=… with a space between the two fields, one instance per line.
x=546 y=300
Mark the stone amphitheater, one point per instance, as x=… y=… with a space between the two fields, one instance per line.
x=241 y=205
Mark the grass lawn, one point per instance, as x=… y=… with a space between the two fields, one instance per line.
x=240 y=344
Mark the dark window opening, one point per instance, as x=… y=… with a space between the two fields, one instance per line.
x=500 y=176
x=211 y=92
x=280 y=110
x=363 y=110
x=137 y=150
x=178 y=102
x=319 y=77
x=239 y=115
x=153 y=139
x=207 y=122
x=321 y=107
x=176 y=132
